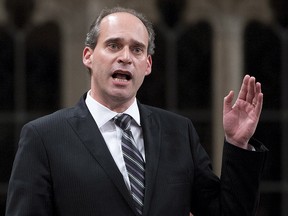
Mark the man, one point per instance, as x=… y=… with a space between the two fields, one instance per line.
x=75 y=161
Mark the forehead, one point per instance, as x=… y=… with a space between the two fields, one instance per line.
x=123 y=25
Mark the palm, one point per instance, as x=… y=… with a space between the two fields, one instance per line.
x=241 y=119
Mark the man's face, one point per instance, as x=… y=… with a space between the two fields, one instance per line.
x=119 y=61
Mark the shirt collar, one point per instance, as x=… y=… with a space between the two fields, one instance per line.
x=102 y=114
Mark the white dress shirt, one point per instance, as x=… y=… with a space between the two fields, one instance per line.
x=112 y=134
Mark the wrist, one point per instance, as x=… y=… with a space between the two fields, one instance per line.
x=240 y=144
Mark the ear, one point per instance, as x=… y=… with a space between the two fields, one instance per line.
x=149 y=65
x=87 y=57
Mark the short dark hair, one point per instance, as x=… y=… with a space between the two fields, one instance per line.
x=94 y=31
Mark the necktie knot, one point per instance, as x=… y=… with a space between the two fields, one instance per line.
x=123 y=121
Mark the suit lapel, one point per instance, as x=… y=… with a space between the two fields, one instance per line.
x=152 y=133
x=84 y=125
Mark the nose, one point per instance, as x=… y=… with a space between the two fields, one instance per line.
x=124 y=56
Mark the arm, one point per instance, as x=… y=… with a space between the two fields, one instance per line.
x=242 y=170
x=237 y=193
x=29 y=191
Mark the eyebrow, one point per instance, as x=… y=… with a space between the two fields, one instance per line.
x=121 y=40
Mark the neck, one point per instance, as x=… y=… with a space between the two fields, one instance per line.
x=114 y=104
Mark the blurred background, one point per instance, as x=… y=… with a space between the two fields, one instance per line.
x=203 y=49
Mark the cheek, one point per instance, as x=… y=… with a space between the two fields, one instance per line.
x=143 y=70
x=101 y=58
x=140 y=80
x=100 y=67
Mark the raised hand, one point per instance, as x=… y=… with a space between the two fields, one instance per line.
x=240 y=120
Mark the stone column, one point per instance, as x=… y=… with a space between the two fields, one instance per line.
x=227 y=74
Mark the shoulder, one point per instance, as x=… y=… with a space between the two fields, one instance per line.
x=61 y=116
x=165 y=116
x=52 y=120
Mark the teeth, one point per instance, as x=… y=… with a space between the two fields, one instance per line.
x=121 y=80
x=121 y=77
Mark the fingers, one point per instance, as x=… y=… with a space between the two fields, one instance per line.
x=258 y=99
x=254 y=94
x=260 y=104
x=244 y=88
x=251 y=90
x=257 y=92
x=227 y=104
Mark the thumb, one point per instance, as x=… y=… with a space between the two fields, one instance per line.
x=227 y=104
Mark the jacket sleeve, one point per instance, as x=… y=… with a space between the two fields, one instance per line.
x=29 y=190
x=240 y=179
x=237 y=191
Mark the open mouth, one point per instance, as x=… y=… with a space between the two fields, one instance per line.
x=122 y=76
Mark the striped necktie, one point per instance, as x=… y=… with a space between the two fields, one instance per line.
x=134 y=162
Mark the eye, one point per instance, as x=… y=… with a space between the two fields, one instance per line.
x=137 y=50
x=113 y=46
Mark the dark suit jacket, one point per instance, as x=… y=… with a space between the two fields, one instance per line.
x=63 y=167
